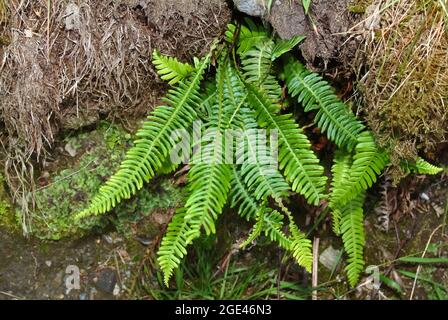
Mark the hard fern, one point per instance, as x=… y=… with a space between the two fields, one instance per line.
x=368 y=162
x=341 y=175
x=173 y=246
x=421 y=166
x=170 y=69
x=332 y=115
x=209 y=179
x=153 y=144
x=245 y=95
x=353 y=236
x=258 y=168
x=299 y=164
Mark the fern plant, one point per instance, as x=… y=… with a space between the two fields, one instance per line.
x=245 y=95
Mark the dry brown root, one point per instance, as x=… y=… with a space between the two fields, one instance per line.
x=66 y=64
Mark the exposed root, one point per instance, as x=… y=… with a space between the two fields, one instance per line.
x=67 y=64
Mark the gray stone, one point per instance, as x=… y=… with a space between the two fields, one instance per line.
x=106 y=280
x=329 y=257
x=256 y=8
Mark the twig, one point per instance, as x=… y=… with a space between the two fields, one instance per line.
x=423 y=255
x=11 y=295
x=315 y=266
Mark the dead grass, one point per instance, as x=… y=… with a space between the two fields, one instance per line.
x=407 y=82
x=67 y=64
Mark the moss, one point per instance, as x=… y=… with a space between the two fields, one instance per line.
x=359 y=6
x=405 y=91
x=7 y=218
x=70 y=189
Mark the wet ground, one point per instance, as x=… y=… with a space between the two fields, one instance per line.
x=97 y=267
x=108 y=264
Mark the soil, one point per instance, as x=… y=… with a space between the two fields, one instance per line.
x=31 y=269
x=67 y=66
x=327 y=44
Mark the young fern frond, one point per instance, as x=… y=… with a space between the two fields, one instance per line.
x=249 y=35
x=270 y=223
x=209 y=186
x=421 y=166
x=273 y=230
x=257 y=229
x=152 y=146
x=257 y=65
x=299 y=163
x=368 y=163
x=235 y=97
x=301 y=246
x=283 y=46
x=314 y=93
x=353 y=237
x=341 y=175
x=170 y=69
x=173 y=246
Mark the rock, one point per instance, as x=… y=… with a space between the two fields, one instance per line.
x=71 y=150
x=329 y=257
x=72 y=18
x=325 y=29
x=106 y=280
x=255 y=8
x=116 y=290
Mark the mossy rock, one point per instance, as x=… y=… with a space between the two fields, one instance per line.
x=7 y=216
x=69 y=189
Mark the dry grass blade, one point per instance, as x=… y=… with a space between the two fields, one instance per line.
x=405 y=90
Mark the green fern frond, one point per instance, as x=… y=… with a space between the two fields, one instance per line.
x=235 y=96
x=421 y=166
x=341 y=176
x=368 y=163
x=257 y=67
x=301 y=249
x=258 y=168
x=299 y=163
x=209 y=186
x=257 y=62
x=314 y=93
x=283 y=46
x=353 y=237
x=241 y=198
x=170 y=69
x=270 y=223
x=257 y=229
x=273 y=223
x=209 y=178
x=301 y=246
x=152 y=146
x=173 y=246
x=249 y=35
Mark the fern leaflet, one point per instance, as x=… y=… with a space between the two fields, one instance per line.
x=149 y=152
x=170 y=69
x=332 y=116
x=300 y=165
